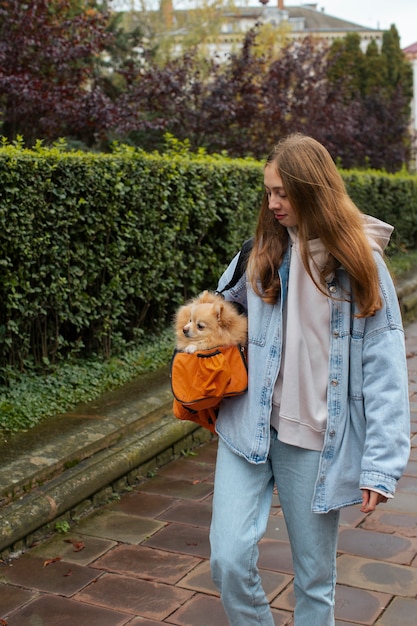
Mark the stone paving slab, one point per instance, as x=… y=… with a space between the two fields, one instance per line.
x=377 y=545
x=73 y=548
x=52 y=610
x=356 y=571
x=402 y=612
x=55 y=576
x=391 y=522
x=192 y=513
x=148 y=563
x=11 y=598
x=183 y=539
x=153 y=600
x=118 y=526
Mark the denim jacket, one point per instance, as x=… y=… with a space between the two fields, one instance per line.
x=367 y=438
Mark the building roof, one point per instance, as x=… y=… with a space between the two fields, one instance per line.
x=318 y=21
x=411 y=49
x=303 y=18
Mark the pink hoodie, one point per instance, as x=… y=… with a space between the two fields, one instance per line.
x=299 y=403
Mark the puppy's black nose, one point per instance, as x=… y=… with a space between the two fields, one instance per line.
x=186 y=331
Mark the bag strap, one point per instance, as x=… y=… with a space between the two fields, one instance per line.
x=240 y=265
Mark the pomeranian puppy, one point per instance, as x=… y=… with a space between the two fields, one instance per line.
x=209 y=321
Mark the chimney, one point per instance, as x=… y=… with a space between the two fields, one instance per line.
x=281 y=4
x=167 y=9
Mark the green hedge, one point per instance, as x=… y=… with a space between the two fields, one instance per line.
x=390 y=197
x=97 y=250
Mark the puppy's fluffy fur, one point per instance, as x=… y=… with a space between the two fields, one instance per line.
x=209 y=321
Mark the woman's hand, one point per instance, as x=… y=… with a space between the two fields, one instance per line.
x=370 y=500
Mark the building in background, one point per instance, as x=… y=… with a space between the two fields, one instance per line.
x=225 y=30
x=299 y=21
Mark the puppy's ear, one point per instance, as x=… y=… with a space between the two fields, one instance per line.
x=204 y=297
x=208 y=297
x=219 y=308
x=226 y=314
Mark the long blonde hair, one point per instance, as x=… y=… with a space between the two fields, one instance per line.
x=324 y=210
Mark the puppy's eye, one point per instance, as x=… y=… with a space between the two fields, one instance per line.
x=200 y=326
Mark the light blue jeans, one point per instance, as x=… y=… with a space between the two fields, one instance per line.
x=241 y=506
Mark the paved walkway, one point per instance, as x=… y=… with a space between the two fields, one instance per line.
x=143 y=560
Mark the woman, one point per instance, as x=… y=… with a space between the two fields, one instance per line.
x=326 y=415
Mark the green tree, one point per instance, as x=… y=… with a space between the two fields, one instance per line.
x=376 y=71
x=379 y=84
x=347 y=65
x=398 y=69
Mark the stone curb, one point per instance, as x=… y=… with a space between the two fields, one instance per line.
x=29 y=459
x=44 y=504
x=45 y=474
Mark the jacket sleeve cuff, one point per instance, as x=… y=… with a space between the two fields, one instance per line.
x=380 y=491
x=383 y=484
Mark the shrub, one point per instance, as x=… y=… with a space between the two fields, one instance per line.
x=98 y=250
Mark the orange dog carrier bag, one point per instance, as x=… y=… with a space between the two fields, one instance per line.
x=200 y=380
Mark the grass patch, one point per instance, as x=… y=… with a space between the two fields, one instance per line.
x=31 y=398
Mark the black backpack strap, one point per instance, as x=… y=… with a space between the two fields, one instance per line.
x=240 y=265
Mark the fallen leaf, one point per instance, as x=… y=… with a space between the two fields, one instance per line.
x=78 y=545
x=50 y=561
x=69 y=573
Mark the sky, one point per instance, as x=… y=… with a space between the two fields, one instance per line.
x=378 y=14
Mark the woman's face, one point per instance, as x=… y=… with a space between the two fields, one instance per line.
x=278 y=202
